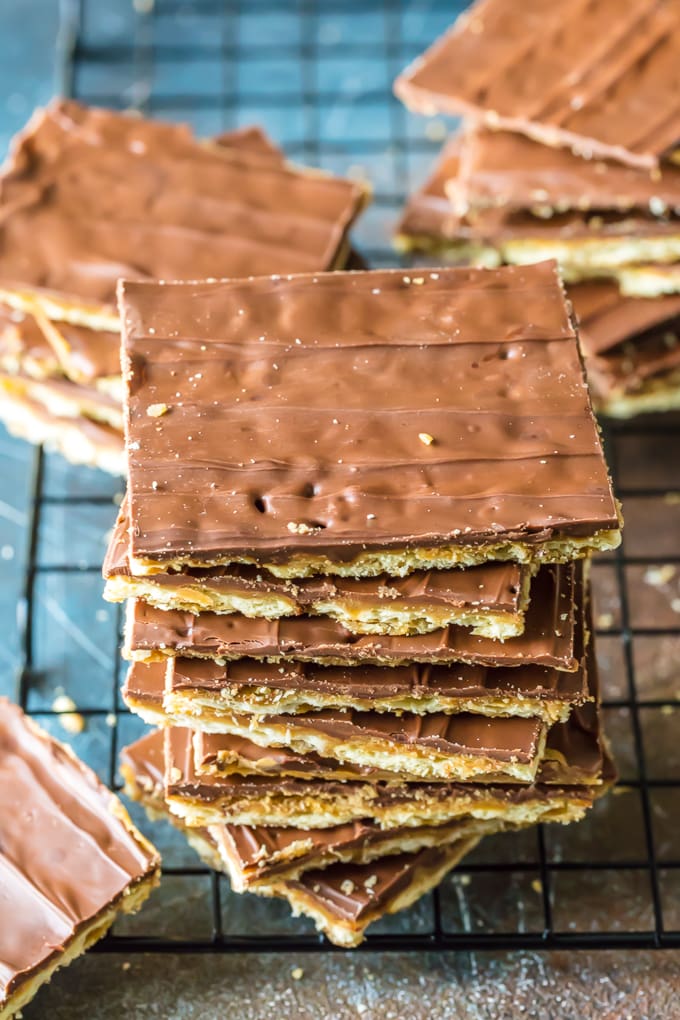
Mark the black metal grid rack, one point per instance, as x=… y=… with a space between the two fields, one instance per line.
x=220 y=64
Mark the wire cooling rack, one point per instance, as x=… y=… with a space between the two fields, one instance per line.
x=317 y=75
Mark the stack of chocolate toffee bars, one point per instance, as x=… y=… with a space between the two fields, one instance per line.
x=569 y=151
x=355 y=539
x=88 y=196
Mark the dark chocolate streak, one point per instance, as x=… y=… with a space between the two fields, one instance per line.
x=548 y=637
x=287 y=430
x=489 y=586
x=595 y=75
x=64 y=856
x=89 y=196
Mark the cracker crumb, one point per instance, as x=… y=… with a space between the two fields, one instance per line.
x=675 y=605
x=418 y=280
x=297 y=973
x=347 y=887
x=300 y=528
x=605 y=620
x=425 y=438
x=657 y=577
x=72 y=721
x=667 y=709
x=175 y=774
x=111 y=720
x=537 y=886
x=156 y=410
x=125 y=965
x=371 y=881
x=464 y=880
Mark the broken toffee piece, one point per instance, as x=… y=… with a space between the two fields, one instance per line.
x=491 y=598
x=598 y=77
x=260 y=431
x=70 y=858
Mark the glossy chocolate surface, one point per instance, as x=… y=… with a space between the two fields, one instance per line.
x=596 y=75
x=285 y=431
x=88 y=196
x=65 y=856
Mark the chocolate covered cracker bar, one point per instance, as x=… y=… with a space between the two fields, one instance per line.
x=632 y=348
x=501 y=169
x=70 y=859
x=599 y=77
x=254 y=856
x=342 y=898
x=491 y=598
x=602 y=243
x=375 y=475
x=551 y=623
x=216 y=210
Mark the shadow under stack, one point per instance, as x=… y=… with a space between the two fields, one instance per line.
x=569 y=151
x=355 y=545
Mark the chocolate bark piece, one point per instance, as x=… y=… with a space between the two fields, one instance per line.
x=490 y=598
x=180 y=208
x=573 y=771
x=70 y=858
x=633 y=349
x=503 y=169
x=256 y=855
x=586 y=244
x=554 y=615
x=346 y=899
x=220 y=775
x=461 y=747
x=589 y=75
x=410 y=476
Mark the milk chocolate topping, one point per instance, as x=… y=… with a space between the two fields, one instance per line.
x=287 y=430
x=596 y=75
x=502 y=168
x=65 y=856
x=548 y=637
x=494 y=586
x=89 y=196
